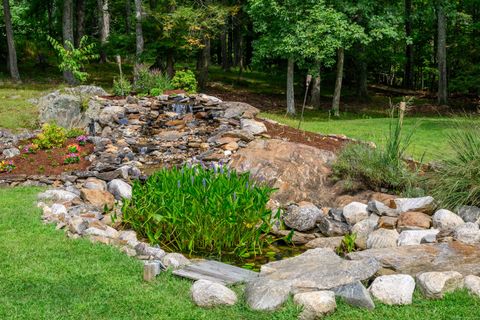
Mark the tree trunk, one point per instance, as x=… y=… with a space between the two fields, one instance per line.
x=128 y=16
x=67 y=28
x=12 y=53
x=223 y=44
x=362 y=90
x=230 y=43
x=203 y=64
x=290 y=88
x=408 y=77
x=442 y=55
x=138 y=29
x=338 y=82
x=80 y=21
x=104 y=23
x=170 y=63
x=316 y=85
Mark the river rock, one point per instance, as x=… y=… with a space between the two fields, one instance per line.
x=327 y=242
x=316 y=304
x=469 y=214
x=422 y=204
x=472 y=284
x=446 y=221
x=303 y=273
x=355 y=294
x=175 y=260
x=363 y=228
x=298 y=171
x=355 y=212
x=414 y=237
x=382 y=238
x=468 y=233
x=396 y=289
x=453 y=256
x=436 y=284
x=209 y=294
x=413 y=221
x=302 y=217
x=380 y=209
x=10 y=152
x=120 y=189
x=95 y=184
x=331 y=228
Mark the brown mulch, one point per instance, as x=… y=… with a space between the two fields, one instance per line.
x=48 y=162
x=283 y=132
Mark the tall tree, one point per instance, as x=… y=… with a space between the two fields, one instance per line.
x=80 y=8
x=12 y=53
x=139 y=30
x=290 y=86
x=338 y=82
x=104 y=23
x=408 y=77
x=442 y=53
x=67 y=27
x=316 y=86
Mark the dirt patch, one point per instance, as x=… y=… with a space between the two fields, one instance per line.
x=48 y=162
x=283 y=132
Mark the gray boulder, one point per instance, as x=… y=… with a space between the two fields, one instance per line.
x=331 y=228
x=446 y=221
x=327 y=242
x=414 y=237
x=120 y=189
x=355 y=294
x=381 y=209
x=422 y=204
x=302 y=217
x=209 y=294
x=436 y=284
x=239 y=110
x=467 y=233
x=469 y=214
x=382 y=238
x=57 y=196
x=472 y=284
x=316 y=304
x=252 y=126
x=355 y=212
x=10 y=153
x=363 y=229
x=396 y=289
x=175 y=260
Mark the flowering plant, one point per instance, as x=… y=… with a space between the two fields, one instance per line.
x=31 y=148
x=82 y=140
x=7 y=166
x=73 y=148
x=71 y=158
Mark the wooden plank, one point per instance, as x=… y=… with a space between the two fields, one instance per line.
x=215 y=271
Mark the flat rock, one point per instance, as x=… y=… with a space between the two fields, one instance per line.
x=453 y=256
x=472 y=284
x=315 y=269
x=414 y=237
x=396 y=289
x=302 y=217
x=57 y=196
x=215 y=271
x=355 y=212
x=355 y=294
x=412 y=220
x=326 y=242
x=422 y=204
x=252 y=126
x=316 y=304
x=469 y=214
x=175 y=260
x=297 y=238
x=468 y=233
x=382 y=238
x=436 y=284
x=446 y=221
x=209 y=294
x=239 y=110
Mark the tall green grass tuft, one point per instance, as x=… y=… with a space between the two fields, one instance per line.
x=382 y=167
x=456 y=182
x=201 y=210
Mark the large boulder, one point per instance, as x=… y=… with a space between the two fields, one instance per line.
x=238 y=110
x=422 y=204
x=70 y=108
x=208 y=294
x=316 y=304
x=298 y=171
x=469 y=214
x=435 y=284
x=355 y=212
x=120 y=189
x=454 y=256
x=412 y=220
x=302 y=217
x=414 y=237
x=446 y=221
x=363 y=229
x=355 y=294
x=472 y=284
x=396 y=289
x=467 y=233
x=316 y=269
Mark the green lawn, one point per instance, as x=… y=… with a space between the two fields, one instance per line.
x=45 y=275
x=429 y=139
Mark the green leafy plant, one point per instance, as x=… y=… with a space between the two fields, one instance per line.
x=456 y=181
x=73 y=148
x=121 y=87
x=156 y=92
x=147 y=79
x=347 y=245
x=52 y=136
x=32 y=148
x=185 y=80
x=74 y=133
x=73 y=59
x=201 y=210
x=7 y=166
x=71 y=158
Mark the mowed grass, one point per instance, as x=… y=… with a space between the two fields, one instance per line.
x=45 y=275
x=430 y=139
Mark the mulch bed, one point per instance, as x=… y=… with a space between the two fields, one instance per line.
x=278 y=131
x=49 y=162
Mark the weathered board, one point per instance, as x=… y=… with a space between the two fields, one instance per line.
x=215 y=271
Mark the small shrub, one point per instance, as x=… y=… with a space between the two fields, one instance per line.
x=74 y=133
x=7 y=166
x=156 y=92
x=121 y=87
x=185 y=80
x=52 y=136
x=82 y=140
x=31 y=148
x=348 y=244
x=73 y=148
x=201 y=210
x=147 y=79
x=70 y=158
x=457 y=180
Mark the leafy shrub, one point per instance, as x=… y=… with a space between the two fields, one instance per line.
x=347 y=245
x=381 y=167
x=156 y=92
x=185 y=80
x=121 y=87
x=52 y=136
x=7 y=166
x=74 y=133
x=456 y=182
x=71 y=158
x=202 y=210
x=32 y=148
x=147 y=80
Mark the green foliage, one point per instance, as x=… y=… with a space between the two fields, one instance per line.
x=380 y=167
x=456 y=182
x=7 y=166
x=200 y=210
x=52 y=136
x=347 y=245
x=74 y=133
x=185 y=80
x=73 y=59
x=121 y=87
x=147 y=80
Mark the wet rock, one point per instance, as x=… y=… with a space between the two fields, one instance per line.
x=436 y=284
x=208 y=294
x=355 y=294
x=414 y=237
x=332 y=228
x=355 y=212
x=468 y=233
x=394 y=289
x=422 y=204
x=382 y=238
x=327 y=242
x=302 y=217
x=446 y=221
x=469 y=214
x=316 y=304
x=120 y=189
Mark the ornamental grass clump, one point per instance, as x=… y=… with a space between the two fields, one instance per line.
x=206 y=211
